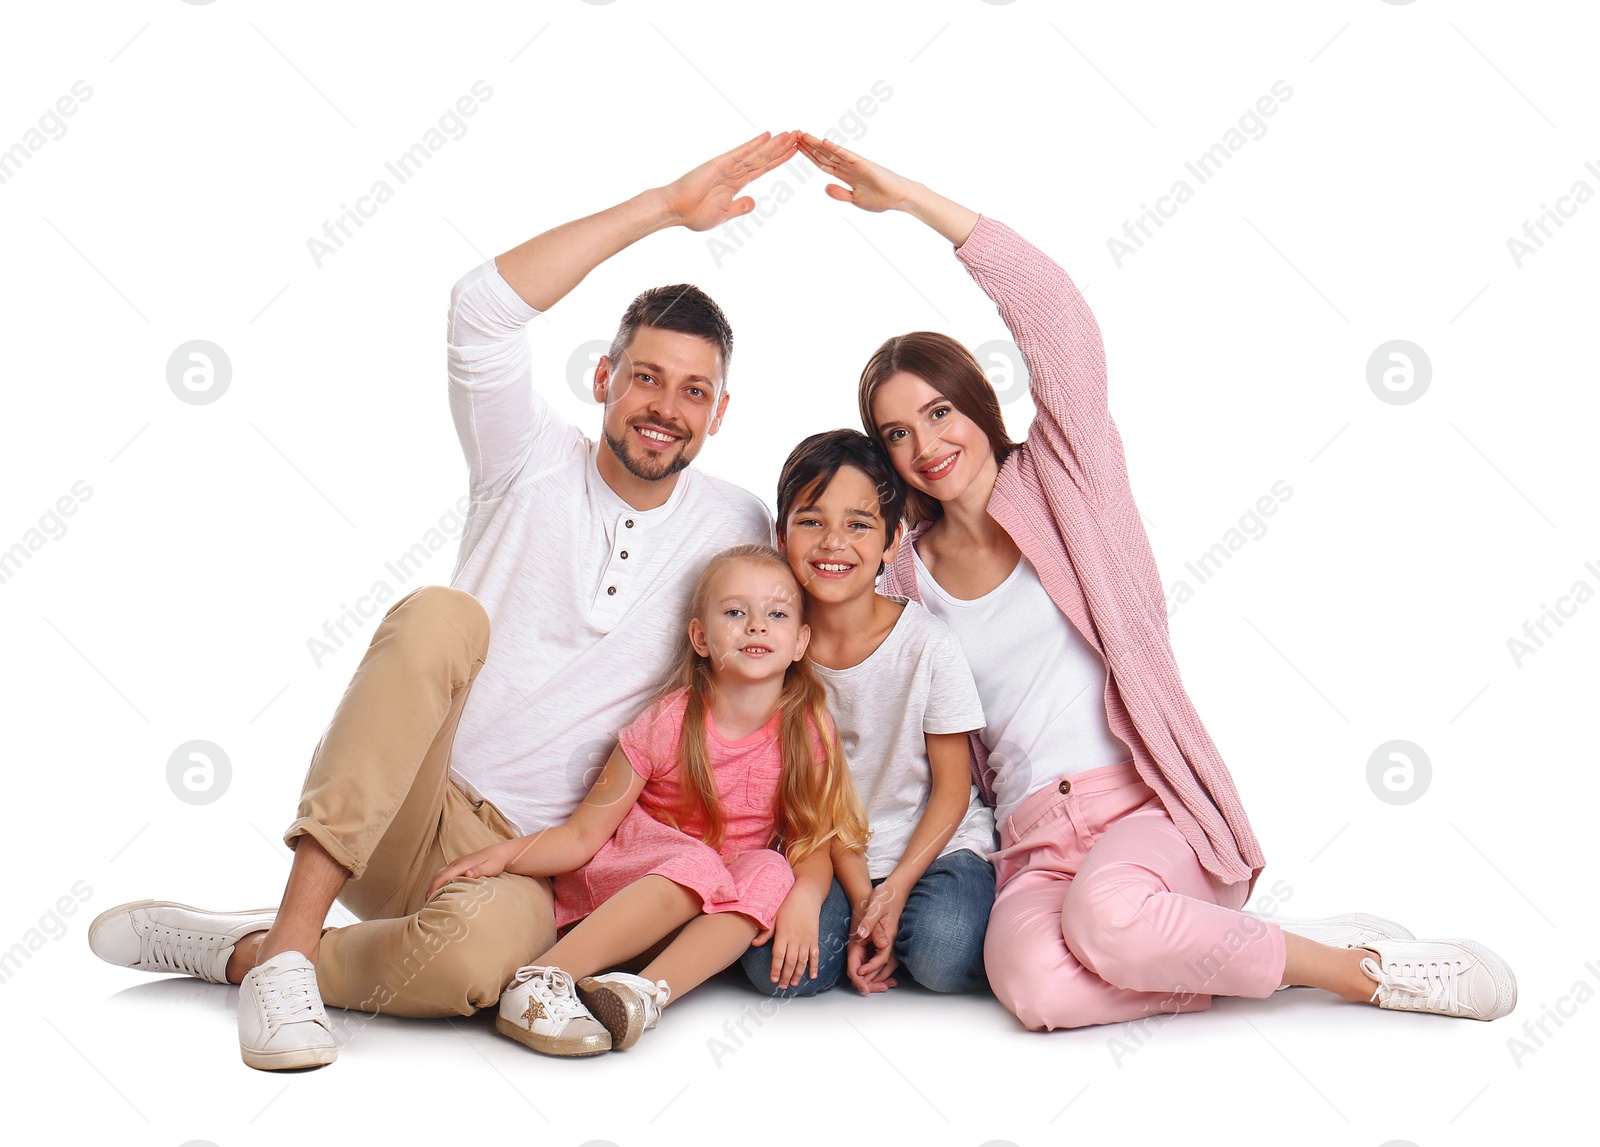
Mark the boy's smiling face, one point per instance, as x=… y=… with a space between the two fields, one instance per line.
x=834 y=539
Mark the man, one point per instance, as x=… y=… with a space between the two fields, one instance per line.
x=579 y=556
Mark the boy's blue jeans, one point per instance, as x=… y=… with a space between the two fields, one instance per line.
x=940 y=943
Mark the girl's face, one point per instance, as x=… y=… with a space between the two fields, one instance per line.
x=835 y=540
x=934 y=447
x=751 y=630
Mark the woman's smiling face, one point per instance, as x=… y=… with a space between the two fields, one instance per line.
x=935 y=448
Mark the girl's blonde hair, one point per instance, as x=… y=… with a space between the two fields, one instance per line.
x=817 y=801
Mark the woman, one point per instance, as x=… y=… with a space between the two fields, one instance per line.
x=1125 y=853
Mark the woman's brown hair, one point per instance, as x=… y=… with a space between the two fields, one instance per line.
x=817 y=801
x=948 y=367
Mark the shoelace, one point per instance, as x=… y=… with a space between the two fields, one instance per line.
x=1429 y=986
x=663 y=992
x=290 y=995
x=554 y=990
x=655 y=995
x=167 y=949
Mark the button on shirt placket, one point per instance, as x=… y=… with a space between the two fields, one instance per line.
x=613 y=599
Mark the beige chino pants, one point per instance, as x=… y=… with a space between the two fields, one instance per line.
x=379 y=798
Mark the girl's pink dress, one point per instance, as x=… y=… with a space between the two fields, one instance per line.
x=743 y=876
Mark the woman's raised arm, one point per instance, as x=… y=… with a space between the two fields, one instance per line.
x=873 y=187
x=1040 y=305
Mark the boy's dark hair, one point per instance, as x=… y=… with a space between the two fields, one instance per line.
x=681 y=307
x=810 y=468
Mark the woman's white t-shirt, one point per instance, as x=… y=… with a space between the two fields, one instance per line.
x=1042 y=685
x=916 y=682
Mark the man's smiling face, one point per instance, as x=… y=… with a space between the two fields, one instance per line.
x=663 y=397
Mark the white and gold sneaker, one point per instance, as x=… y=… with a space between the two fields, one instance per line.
x=540 y=1008
x=627 y=1004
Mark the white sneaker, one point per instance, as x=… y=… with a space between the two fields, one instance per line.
x=163 y=936
x=1350 y=930
x=282 y=1024
x=1447 y=977
x=541 y=1009
x=627 y=1004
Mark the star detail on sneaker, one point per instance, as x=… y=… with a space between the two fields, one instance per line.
x=540 y=1009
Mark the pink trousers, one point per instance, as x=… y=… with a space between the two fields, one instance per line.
x=1104 y=913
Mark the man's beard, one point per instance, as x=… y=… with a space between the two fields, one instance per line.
x=664 y=469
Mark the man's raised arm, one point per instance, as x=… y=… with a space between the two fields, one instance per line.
x=499 y=419
x=546 y=267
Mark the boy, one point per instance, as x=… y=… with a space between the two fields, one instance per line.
x=904 y=700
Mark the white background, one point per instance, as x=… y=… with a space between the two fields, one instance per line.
x=218 y=538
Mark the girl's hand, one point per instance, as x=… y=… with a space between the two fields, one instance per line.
x=872 y=187
x=489 y=861
x=706 y=197
x=795 y=949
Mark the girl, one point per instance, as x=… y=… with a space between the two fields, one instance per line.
x=1125 y=854
x=736 y=758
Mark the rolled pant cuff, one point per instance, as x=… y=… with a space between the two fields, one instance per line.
x=331 y=844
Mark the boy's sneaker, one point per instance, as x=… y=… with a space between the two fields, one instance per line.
x=627 y=1004
x=1350 y=930
x=1447 y=977
x=540 y=1008
x=163 y=936
x=282 y=1024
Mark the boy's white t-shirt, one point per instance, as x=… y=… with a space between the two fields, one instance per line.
x=916 y=682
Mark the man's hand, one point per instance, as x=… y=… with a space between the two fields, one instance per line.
x=549 y=265
x=709 y=196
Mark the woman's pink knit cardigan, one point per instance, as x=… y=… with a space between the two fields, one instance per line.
x=1064 y=497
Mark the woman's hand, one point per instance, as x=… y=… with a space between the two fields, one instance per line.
x=708 y=196
x=872 y=187
x=489 y=861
